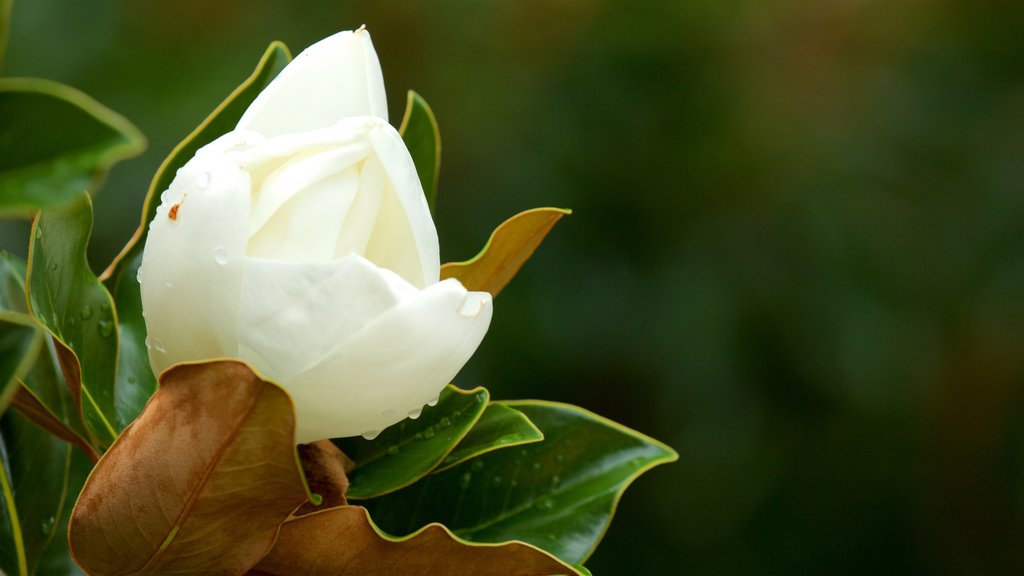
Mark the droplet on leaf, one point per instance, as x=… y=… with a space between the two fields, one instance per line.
x=106 y=328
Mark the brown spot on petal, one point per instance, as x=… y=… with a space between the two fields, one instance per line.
x=173 y=212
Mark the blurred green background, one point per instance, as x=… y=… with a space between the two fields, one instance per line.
x=797 y=252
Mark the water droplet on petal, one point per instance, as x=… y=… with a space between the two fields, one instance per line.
x=106 y=328
x=203 y=180
x=433 y=401
x=169 y=284
x=415 y=412
x=158 y=345
x=138 y=276
x=370 y=434
x=392 y=450
x=86 y=312
x=220 y=255
x=149 y=343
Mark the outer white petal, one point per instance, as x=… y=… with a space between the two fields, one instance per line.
x=292 y=314
x=394 y=365
x=404 y=239
x=335 y=78
x=191 y=273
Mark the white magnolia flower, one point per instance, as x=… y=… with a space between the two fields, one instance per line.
x=301 y=243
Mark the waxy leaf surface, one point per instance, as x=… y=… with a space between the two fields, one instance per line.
x=558 y=494
x=135 y=379
x=509 y=247
x=499 y=427
x=71 y=303
x=343 y=542
x=198 y=484
x=55 y=143
x=423 y=139
x=410 y=449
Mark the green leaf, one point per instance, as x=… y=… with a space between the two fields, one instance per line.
x=508 y=248
x=72 y=304
x=407 y=451
x=56 y=559
x=423 y=139
x=498 y=427
x=20 y=343
x=38 y=464
x=558 y=495
x=135 y=379
x=56 y=142
x=199 y=483
x=12 y=283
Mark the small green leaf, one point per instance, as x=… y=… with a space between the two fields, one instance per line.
x=56 y=559
x=56 y=142
x=407 y=451
x=498 y=427
x=558 y=495
x=423 y=139
x=38 y=464
x=12 y=283
x=20 y=343
x=509 y=247
x=72 y=304
x=135 y=379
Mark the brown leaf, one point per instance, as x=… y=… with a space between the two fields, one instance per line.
x=25 y=401
x=198 y=484
x=327 y=469
x=509 y=247
x=343 y=542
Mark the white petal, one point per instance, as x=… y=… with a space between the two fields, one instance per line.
x=335 y=78
x=395 y=364
x=404 y=238
x=192 y=266
x=293 y=314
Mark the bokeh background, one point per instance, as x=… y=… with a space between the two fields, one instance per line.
x=797 y=252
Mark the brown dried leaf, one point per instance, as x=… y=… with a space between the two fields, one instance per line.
x=343 y=542
x=327 y=469
x=198 y=484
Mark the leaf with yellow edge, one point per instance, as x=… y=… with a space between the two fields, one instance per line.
x=423 y=139
x=509 y=247
x=199 y=483
x=343 y=541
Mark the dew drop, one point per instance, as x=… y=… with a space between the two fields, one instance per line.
x=105 y=306
x=131 y=379
x=477 y=465
x=433 y=401
x=428 y=433
x=39 y=232
x=138 y=276
x=415 y=412
x=203 y=180
x=370 y=434
x=220 y=255
x=158 y=345
x=105 y=327
x=556 y=480
x=496 y=480
x=465 y=480
x=53 y=265
x=545 y=504
x=149 y=343
x=392 y=450
x=560 y=458
x=47 y=524
x=169 y=284
x=536 y=465
x=445 y=422
x=419 y=435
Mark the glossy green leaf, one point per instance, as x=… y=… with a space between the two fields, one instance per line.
x=56 y=559
x=20 y=343
x=135 y=379
x=72 y=304
x=38 y=464
x=56 y=142
x=558 y=495
x=410 y=449
x=499 y=427
x=510 y=246
x=423 y=139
